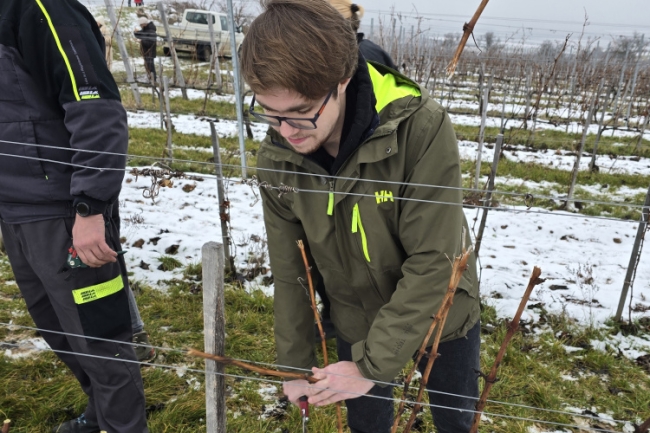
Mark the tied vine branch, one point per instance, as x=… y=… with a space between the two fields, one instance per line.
x=459 y=266
x=254 y=368
x=319 y=324
x=513 y=326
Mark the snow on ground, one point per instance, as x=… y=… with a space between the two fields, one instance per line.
x=574 y=127
x=517 y=106
x=560 y=159
x=563 y=160
x=193 y=124
x=583 y=260
x=564 y=245
x=186 y=219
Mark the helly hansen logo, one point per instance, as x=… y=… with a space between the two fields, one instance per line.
x=383 y=196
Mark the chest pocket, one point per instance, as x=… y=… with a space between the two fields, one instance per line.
x=9 y=84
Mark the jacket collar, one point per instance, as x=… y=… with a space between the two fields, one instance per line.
x=395 y=97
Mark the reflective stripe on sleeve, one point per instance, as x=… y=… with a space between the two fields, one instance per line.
x=58 y=44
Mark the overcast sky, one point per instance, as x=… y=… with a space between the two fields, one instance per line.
x=542 y=19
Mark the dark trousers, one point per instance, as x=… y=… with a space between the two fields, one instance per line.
x=37 y=251
x=453 y=372
x=150 y=67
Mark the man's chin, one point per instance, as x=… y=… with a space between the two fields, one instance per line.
x=305 y=148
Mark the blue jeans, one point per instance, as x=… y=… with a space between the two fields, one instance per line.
x=453 y=372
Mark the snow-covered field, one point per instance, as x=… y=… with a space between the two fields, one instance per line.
x=583 y=260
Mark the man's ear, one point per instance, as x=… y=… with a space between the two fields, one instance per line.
x=343 y=85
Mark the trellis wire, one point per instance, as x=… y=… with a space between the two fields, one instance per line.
x=387 y=182
x=293 y=368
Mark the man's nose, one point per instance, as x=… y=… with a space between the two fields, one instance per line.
x=287 y=130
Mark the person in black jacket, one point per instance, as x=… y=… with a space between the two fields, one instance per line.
x=63 y=145
x=370 y=50
x=146 y=32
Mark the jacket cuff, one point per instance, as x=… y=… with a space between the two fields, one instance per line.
x=360 y=359
x=96 y=206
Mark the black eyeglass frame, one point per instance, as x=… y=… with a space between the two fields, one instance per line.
x=277 y=120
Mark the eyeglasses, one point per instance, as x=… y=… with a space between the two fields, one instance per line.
x=296 y=122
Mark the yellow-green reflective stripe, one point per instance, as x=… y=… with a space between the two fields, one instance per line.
x=357 y=225
x=98 y=291
x=388 y=90
x=330 y=204
x=58 y=44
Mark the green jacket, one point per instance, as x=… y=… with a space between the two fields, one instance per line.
x=385 y=261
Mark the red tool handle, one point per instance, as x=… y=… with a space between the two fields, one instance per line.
x=303 y=403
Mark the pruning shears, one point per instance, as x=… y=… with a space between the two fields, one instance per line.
x=303 y=404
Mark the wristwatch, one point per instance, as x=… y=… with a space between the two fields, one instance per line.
x=82 y=209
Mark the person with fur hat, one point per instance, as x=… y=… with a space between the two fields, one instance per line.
x=108 y=39
x=146 y=32
x=370 y=50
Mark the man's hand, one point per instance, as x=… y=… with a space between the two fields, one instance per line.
x=339 y=381
x=294 y=389
x=89 y=239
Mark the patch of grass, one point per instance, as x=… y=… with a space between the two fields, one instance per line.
x=193 y=271
x=147 y=145
x=519 y=172
x=39 y=391
x=178 y=105
x=552 y=139
x=169 y=263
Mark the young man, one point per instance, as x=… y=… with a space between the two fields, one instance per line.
x=59 y=107
x=376 y=164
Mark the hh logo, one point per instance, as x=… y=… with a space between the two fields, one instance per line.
x=384 y=196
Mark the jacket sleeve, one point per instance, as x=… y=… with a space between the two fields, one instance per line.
x=63 y=49
x=294 y=318
x=431 y=235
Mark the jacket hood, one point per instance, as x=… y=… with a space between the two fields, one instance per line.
x=396 y=98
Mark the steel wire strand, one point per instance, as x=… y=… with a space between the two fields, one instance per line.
x=283 y=190
x=332 y=177
x=261 y=379
x=378 y=382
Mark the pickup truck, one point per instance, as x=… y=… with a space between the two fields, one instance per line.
x=192 y=34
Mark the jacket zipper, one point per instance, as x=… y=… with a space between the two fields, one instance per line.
x=330 y=202
x=357 y=226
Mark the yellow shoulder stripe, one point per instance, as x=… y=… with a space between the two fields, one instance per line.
x=58 y=44
x=387 y=89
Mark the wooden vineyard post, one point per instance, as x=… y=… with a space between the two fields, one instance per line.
x=576 y=166
x=634 y=258
x=488 y=195
x=172 y=50
x=214 y=325
x=224 y=215
x=481 y=134
x=169 y=153
x=123 y=53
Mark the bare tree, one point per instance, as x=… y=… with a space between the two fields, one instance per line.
x=242 y=14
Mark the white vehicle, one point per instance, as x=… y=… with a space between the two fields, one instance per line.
x=192 y=34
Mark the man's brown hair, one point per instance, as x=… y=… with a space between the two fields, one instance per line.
x=300 y=45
